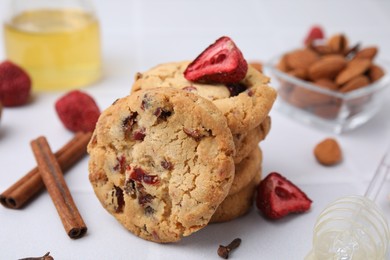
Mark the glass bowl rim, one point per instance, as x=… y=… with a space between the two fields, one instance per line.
x=371 y=88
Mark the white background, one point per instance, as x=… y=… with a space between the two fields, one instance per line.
x=139 y=34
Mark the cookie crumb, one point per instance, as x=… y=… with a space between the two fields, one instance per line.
x=328 y=152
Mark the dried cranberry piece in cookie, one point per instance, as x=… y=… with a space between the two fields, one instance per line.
x=130 y=188
x=146 y=102
x=235 y=88
x=221 y=62
x=139 y=134
x=167 y=165
x=140 y=175
x=15 y=85
x=78 y=111
x=196 y=133
x=277 y=197
x=162 y=113
x=190 y=88
x=128 y=123
x=121 y=164
x=120 y=200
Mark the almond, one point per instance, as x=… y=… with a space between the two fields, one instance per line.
x=282 y=65
x=321 y=49
x=301 y=59
x=303 y=97
x=327 y=67
x=375 y=72
x=328 y=152
x=326 y=83
x=327 y=111
x=355 y=83
x=338 y=43
x=298 y=73
x=354 y=68
x=367 y=53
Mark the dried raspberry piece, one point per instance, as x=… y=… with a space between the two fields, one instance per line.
x=315 y=33
x=221 y=62
x=278 y=197
x=77 y=111
x=15 y=85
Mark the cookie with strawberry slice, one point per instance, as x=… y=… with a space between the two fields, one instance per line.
x=220 y=74
x=278 y=197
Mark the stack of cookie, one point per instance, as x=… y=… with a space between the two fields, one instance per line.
x=245 y=106
x=183 y=149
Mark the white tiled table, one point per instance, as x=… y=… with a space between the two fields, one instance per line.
x=140 y=34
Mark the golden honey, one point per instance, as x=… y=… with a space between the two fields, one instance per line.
x=60 y=49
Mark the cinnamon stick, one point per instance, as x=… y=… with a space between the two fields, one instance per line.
x=54 y=181
x=27 y=187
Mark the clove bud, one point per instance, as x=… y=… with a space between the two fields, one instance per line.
x=46 y=256
x=223 y=251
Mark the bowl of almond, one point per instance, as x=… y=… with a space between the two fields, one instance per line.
x=330 y=83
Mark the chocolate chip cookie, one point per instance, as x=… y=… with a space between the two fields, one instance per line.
x=161 y=162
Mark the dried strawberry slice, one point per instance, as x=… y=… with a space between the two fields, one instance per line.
x=221 y=62
x=278 y=197
x=315 y=33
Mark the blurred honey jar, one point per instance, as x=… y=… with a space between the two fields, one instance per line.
x=57 y=42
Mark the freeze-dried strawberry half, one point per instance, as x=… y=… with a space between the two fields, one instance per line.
x=278 y=197
x=221 y=62
x=78 y=111
x=315 y=33
x=15 y=85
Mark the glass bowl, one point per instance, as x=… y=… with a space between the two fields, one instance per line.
x=323 y=108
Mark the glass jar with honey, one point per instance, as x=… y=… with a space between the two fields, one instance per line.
x=56 y=41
